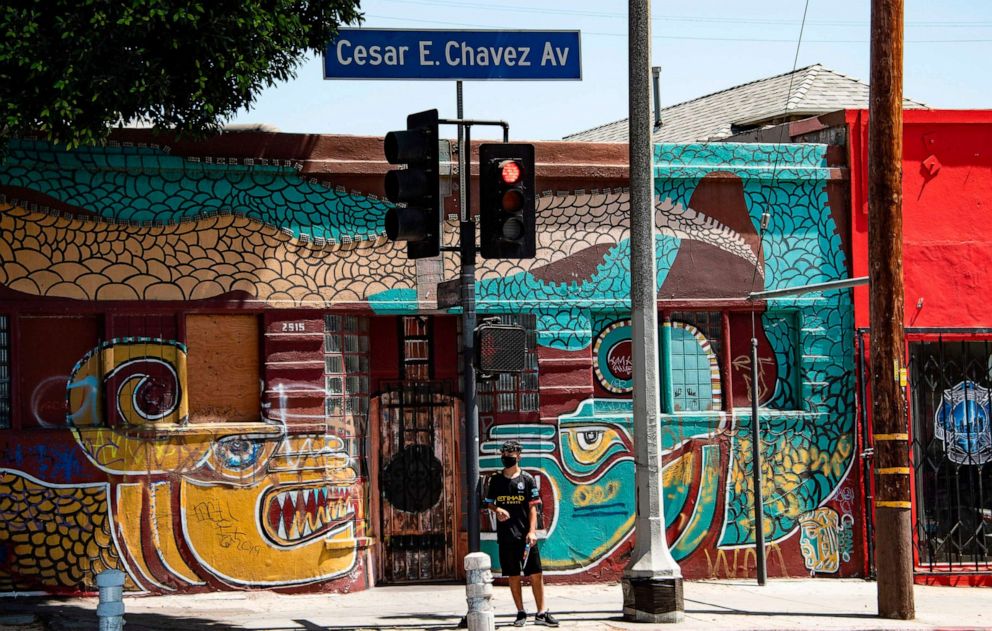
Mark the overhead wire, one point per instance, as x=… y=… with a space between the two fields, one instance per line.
x=681 y=37
x=766 y=215
x=516 y=9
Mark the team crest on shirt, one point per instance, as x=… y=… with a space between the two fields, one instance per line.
x=520 y=486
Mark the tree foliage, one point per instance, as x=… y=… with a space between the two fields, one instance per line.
x=73 y=69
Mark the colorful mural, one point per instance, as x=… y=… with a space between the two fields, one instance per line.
x=185 y=506
x=808 y=443
x=286 y=499
x=962 y=424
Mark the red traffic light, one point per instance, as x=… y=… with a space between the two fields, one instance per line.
x=510 y=172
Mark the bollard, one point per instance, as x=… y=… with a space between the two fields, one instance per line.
x=479 y=592
x=110 y=611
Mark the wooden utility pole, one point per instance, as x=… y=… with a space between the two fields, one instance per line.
x=893 y=530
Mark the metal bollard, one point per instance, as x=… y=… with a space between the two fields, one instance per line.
x=111 y=607
x=479 y=592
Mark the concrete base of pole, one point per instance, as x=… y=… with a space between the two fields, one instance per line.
x=894 y=563
x=479 y=592
x=656 y=600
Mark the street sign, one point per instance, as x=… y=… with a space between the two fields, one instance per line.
x=449 y=293
x=453 y=55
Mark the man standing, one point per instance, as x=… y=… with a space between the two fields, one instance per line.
x=513 y=496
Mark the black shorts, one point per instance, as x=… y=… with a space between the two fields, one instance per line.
x=511 y=554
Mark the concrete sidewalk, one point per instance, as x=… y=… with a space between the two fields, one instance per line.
x=782 y=604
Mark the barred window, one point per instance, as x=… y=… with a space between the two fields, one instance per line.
x=514 y=393
x=4 y=373
x=416 y=360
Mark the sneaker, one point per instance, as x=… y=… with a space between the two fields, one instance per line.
x=546 y=619
x=521 y=619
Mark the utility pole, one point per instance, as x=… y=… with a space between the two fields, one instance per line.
x=894 y=535
x=652 y=582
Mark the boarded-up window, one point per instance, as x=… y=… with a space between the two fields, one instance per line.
x=223 y=368
x=50 y=347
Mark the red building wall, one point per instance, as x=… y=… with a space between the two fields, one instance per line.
x=947 y=226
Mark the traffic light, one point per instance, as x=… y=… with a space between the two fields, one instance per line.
x=506 y=201
x=417 y=186
x=499 y=348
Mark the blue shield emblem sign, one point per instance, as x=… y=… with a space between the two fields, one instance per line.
x=962 y=424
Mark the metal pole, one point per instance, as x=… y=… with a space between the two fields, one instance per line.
x=652 y=581
x=656 y=76
x=830 y=285
x=468 y=350
x=759 y=505
x=894 y=552
x=867 y=454
x=462 y=160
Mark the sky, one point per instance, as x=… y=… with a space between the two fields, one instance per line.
x=703 y=46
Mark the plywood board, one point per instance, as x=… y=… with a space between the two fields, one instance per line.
x=223 y=368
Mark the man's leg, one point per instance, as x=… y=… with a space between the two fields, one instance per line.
x=515 y=591
x=537 y=586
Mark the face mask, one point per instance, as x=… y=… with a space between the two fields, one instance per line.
x=509 y=461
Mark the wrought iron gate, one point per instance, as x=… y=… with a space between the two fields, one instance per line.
x=417 y=481
x=951 y=399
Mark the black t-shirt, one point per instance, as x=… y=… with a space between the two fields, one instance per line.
x=515 y=495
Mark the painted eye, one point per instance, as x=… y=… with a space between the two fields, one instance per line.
x=589 y=440
x=237 y=452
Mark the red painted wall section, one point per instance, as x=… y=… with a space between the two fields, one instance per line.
x=947 y=199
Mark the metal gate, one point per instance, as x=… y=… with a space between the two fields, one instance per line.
x=951 y=399
x=417 y=481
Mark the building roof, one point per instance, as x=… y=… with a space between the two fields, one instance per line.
x=811 y=91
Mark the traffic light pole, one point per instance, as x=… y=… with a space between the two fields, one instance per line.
x=467 y=248
x=467 y=245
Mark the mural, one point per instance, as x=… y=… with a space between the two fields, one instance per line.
x=286 y=500
x=962 y=424
x=825 y=539
x=808 y=440
x=242 y=505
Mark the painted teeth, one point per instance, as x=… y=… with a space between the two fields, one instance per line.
x=330 y=503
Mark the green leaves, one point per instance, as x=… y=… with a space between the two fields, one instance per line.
x=71 y=70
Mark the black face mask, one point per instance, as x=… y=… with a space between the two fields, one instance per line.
x=509 y=461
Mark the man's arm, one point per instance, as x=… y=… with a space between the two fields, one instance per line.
x=532 y=533
x=535 y=501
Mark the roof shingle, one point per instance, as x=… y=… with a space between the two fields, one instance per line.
x=811 y=91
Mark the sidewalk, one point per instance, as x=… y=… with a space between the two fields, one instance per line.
x=782 y=604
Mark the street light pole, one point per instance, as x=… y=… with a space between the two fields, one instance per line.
x=652 y=582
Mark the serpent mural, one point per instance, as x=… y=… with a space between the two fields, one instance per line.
x=808 y=440
x=182 y=506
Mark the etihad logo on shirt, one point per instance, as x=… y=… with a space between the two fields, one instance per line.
x=510 y=499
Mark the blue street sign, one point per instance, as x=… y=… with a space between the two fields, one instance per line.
x=453 y=55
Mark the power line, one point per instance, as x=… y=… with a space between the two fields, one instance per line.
x=683 y=37
x=682 y=18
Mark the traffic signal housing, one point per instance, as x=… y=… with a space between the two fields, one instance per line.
x=499 y=348
x=506 y=201
x=418 y=186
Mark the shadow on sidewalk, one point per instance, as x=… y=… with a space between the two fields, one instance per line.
x=60 y=616
x=721 y=609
